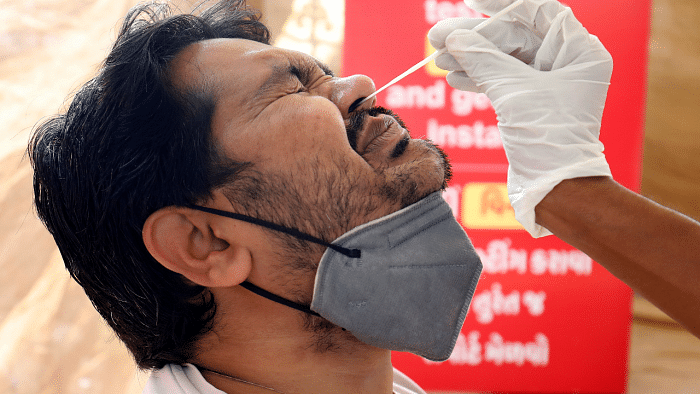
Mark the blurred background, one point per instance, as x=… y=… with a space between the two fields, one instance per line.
x=53 y=341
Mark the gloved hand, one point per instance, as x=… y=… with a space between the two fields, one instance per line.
x=547 y=79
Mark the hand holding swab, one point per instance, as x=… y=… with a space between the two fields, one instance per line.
x=441 y=51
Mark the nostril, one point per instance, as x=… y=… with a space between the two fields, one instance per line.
x=355 y=104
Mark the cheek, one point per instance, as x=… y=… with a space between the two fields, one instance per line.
x=300 y=129
x=320 y=121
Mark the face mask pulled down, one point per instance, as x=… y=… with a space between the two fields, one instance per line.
x=402 y=282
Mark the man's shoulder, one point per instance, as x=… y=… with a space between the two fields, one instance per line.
x=186 y=379
x=404 y=385
x=178 y=379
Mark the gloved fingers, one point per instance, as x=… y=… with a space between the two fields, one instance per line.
x=512 y=38
x=482 y=61
x=564 y=39
x=568 y=43
x=442 y=29
x=535 y=14
x=460 y=80
x=447 y=62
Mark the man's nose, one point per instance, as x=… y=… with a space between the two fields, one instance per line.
x=349 y=91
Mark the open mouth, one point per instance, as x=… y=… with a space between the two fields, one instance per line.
x=382 y=133
x=377 y=129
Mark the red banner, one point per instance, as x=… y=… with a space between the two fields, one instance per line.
x=544 y=318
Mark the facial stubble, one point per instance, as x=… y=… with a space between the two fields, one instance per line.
x=326 y=200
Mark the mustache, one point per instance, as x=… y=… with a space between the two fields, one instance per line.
x=357 y=121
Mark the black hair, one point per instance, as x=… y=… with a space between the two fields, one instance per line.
x=128 y=145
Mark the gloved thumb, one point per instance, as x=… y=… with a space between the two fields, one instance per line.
x=482 y=61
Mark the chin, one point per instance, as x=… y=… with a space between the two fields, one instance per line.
x=441 y=162
x=413 y=181
x=430 y=166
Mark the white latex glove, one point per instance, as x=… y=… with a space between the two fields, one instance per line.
x=547 y=79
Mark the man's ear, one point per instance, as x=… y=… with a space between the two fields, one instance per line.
x=183 y=240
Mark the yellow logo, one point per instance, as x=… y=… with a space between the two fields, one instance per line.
x=431 y=68
x=486 y=206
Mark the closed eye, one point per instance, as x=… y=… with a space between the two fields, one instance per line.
x=307 y=71
x=304 y=73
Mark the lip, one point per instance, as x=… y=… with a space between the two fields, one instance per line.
x=377 y=127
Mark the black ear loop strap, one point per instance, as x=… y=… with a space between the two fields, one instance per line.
x=352 y=253
x=274 y=297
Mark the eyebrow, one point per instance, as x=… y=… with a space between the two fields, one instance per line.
x=324 y=67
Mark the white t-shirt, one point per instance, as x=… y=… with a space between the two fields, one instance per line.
x=186 y=379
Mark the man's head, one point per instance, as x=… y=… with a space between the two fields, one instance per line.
x=187 y=109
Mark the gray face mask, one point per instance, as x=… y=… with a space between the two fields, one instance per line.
x=401 y=282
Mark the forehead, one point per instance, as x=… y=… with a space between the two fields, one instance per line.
x=210 y=60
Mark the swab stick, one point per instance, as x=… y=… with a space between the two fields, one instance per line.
x=441 y=51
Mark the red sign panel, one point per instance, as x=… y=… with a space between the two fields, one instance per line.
x=544 y=318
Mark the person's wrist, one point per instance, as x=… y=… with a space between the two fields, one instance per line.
x=557 y=202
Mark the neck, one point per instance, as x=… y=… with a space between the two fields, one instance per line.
x=277 y=352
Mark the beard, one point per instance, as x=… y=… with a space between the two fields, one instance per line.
x=327 y=199
x=412 y=181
